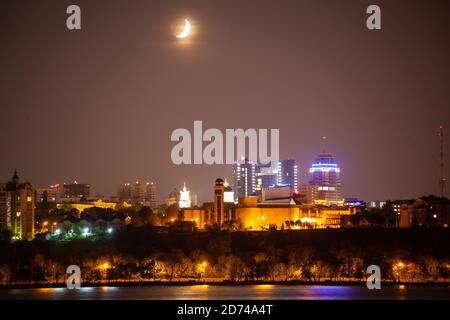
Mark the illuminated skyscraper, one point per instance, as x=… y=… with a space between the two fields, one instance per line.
x=325 y=180
x=287 y=174
x=244 y=178
x=266 y=176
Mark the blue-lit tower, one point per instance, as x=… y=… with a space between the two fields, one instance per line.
x=325 y=180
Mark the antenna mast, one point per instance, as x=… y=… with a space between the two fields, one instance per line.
x=442 y=178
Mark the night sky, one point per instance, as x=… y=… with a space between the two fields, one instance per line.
x=99 y=105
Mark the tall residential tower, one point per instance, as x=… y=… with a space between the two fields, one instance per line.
x=287 y=174
x=325 y=180
x=244 y=179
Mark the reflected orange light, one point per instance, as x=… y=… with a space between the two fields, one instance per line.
x=264 y=286
x=200 y=286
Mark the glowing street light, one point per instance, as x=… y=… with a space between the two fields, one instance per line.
x=202 y=268
x=104 y=266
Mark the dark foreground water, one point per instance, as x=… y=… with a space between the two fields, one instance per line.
x=204 y=292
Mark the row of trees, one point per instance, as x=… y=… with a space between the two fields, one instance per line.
x=139 y=254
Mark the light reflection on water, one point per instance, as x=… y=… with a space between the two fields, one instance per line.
x=250 y=292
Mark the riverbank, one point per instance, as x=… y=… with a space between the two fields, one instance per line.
x=129 y=256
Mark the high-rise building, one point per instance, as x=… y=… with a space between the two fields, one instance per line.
x=51 y=194
x=138 y=193
x=185 y=198
x=325 y=180
x=244 y=179
x=219 y=190
x=173 y=198
x=266 y=176
x=287 y=174
x=76 y=190
x=17 y=208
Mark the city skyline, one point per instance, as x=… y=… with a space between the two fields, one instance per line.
x=303 y=180
x=159 y=198
x=377 y=95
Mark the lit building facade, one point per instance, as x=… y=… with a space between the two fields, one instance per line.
x=325 y=180
x=228 y=194
x=138 y=193
x=260 y=216
x=278 y=210
x=185 y=198
x=266 y=176
x=244 y=179
x=17 y=209
x=51 y=194
x=287 y=174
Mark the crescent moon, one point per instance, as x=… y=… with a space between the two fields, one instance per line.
x=186 y=31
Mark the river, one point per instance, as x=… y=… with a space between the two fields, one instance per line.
x=248 y=292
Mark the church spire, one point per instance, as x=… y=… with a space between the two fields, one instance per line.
x=15 y=177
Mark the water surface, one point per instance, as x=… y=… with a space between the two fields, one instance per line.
x=250 y=292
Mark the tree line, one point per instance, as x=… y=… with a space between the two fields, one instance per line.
x=142 y=254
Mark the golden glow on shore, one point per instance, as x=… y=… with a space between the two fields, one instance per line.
x=264 y=286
